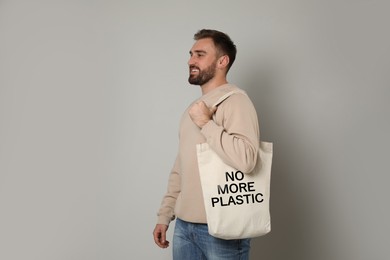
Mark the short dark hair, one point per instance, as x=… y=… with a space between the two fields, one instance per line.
x=222 y=42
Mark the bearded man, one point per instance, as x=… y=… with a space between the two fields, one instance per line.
x=231 y=130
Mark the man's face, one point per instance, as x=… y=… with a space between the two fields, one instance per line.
x=203 y=61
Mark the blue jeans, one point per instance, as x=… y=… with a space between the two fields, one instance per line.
x=192 y=241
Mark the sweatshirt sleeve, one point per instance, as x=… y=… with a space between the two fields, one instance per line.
x=234 y=133
x=166 y=212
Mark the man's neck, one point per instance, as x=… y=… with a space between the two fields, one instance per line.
x=212 y=84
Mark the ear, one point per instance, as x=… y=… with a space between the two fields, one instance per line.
x=223 y=62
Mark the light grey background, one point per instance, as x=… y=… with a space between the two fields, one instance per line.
x=91 y=93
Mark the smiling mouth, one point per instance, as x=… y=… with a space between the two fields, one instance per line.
x=194 y=70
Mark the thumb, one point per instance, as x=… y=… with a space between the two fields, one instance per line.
x=213 y=110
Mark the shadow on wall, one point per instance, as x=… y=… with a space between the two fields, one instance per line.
x=288 y=207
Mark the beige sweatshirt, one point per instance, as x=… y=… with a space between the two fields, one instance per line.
x=233 y=135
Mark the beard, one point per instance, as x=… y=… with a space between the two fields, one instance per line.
x=203 y=76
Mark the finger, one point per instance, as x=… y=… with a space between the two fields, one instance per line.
x=200 y=104
x=163 y=238
x=156 y=236
x=213 y=109
x=159 y=235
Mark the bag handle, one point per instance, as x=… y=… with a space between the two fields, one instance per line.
x=224 y=97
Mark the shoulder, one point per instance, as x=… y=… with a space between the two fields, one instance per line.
x=239 y=99
x=237 y=108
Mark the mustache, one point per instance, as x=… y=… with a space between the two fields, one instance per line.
x=194 y=67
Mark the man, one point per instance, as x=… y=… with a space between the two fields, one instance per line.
x=232 y=132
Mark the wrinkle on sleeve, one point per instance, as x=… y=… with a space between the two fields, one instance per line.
x=166 y=212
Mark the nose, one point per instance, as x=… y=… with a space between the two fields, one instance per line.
x=191 y=61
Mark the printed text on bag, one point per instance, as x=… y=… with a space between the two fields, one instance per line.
x=246 y=191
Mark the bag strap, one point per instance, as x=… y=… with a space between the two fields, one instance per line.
x=224 y=97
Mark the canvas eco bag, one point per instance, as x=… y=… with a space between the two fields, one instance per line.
x=237 y=203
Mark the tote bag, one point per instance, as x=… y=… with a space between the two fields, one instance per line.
x=237 y=203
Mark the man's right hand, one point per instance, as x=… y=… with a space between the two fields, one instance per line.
x=159 y=234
